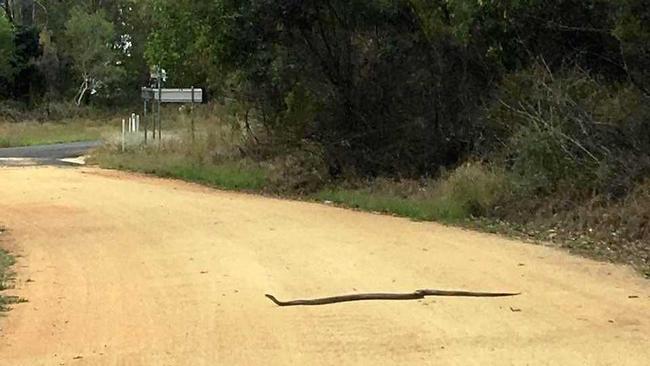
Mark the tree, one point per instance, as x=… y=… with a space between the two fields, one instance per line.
x=633 y=31
x=91 y=40
x=182 y=38
x=7 y=48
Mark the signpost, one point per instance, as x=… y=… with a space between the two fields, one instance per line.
x=166 y=95
x=191 y=95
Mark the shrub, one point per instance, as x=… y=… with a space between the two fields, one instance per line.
x=472 y=189
x=551 y=131
x=301 y=171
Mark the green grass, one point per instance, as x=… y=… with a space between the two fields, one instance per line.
x=6 y=276
x=230 y=175
x=468 y=191
x=34 y=133
x=367 y=201
x=460 y=195
x=422 y=210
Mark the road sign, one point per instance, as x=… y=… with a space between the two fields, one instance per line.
x=174 y=95
x=147 y=93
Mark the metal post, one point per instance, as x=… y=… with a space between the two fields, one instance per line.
x=145 y=121
x=123 y=133
x=159 y=102
x=192 y=114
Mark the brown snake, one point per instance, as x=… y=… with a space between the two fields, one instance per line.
x=419 y=294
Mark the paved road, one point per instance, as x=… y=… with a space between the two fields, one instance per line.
x=57 y=151
x=45 y=154
x=121 y=269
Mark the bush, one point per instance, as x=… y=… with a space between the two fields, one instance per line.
x=473 y=189
x=470 y=190
x=11 y=111
x=301 y=171
x=553 y=131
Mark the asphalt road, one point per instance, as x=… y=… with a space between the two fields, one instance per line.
x=57 y=151
x=45 y=154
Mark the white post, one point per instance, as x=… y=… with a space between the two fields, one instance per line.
x=123 y=133
x=137 y=123
x=133 y=122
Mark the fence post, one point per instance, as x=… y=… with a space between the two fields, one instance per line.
x=123 y=133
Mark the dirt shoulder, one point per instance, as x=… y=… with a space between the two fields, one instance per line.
x=6 y=274
x=125 y=269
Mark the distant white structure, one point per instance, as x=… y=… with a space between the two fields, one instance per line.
x=188 y=95
x=132 y=126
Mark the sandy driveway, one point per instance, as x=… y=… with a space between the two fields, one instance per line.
x=128 y=270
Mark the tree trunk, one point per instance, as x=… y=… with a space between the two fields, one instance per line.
x=82 y=91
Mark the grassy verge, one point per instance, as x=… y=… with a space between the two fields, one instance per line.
x=468 y=191
x=231 y=175
x=417 y=209
x=34 y=133
x=6 y=277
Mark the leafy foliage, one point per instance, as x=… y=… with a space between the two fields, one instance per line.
x=6 y=49
x=570 y=129
x=398 y=88
x=90 y=46
x=633 y=31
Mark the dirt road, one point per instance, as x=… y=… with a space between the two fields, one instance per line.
x=129 y=270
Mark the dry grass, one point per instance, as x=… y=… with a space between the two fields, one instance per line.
x=471 y=190
x=209 y=157
x=6 y=277
x=35 y=133
x=598 y=227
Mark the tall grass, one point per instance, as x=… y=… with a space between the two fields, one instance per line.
x=470 y=190
x=209 y=157
x=35 y=133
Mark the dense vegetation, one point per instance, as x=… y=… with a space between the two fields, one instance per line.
x=547 y=100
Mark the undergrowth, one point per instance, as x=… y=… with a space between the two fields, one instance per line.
x=6 y=278
x=15 y=134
